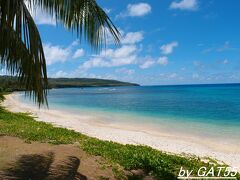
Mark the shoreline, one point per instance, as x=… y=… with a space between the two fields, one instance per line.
x=95 y=127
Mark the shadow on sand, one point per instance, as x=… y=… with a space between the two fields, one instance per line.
x=41 y=167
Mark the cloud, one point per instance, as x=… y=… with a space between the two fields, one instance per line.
x=77 y=73
x=225 y=61
x=78 y=53
x=125 y=71
x=43 y=18
x=56 y=54
x=60 y=54
x=234 y=77
x=75 y=43
x=173 y=75
x=140 y=9
x=127 y=38
x=109 y=38
x=163 y=61
x=107 y=10
x=60 y=74
x=132 y=38
x=40 y=16
x=124 y=55
x=147 y=64
x=195 y=76
x=190 y=5
x=199 y=65
x=168 y=48
x=168 y=77
x=136 y=10
x=225 y=47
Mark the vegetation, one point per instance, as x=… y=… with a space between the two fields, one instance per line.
x=162 y=165
x=22 y=51
x=1 y=97
x=85 y=82
x=10 y=84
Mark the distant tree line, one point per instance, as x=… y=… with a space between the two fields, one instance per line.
x=10 y=84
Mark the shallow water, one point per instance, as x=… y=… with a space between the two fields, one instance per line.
x=203 y=110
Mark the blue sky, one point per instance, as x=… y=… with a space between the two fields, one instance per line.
x=163 y=42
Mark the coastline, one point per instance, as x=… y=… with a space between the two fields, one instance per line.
x=95 y=127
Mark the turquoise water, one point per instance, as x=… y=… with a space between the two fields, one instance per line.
x=192 y=108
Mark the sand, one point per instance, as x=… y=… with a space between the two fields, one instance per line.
x=13 y=148
x=94 y=126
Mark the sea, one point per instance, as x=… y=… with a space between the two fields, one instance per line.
x=211 y=111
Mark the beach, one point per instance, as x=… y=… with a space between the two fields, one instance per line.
x=128 y=134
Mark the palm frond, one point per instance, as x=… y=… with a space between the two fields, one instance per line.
x=21 y=50
x=84 y=17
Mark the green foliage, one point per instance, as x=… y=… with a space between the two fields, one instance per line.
x=85 y=82
x=1 y=97
x=10 y=84
x=162 y=165
x=21 y=50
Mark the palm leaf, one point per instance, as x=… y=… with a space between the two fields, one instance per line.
x=21 y=50
x=84 y=17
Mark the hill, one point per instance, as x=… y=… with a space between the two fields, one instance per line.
x=9 y=83
x=85 y=82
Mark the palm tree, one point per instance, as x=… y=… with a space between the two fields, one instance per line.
x=21 y=49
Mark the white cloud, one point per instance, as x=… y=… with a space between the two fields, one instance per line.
x=56 y=54
x=43 y=18
x=127 y=38
x=107 y=10
x=163 y=61
x=195 y=76
x=109 y=38
x=132 y=38
x=40 y=16
x=75 y=43
x=173 y=75
x=60 y=54
x=125 y=71
x=139 y=9
x=60 y=74
x=77 y=73
x=234 y=77
x=78 y=53
x=147 y=64
x=168 y=77
x=225 y=47
x=124 y=55
x=185 y=5
x=95 y=62
x=136 y=10
x=225 y=61
x=168 y=48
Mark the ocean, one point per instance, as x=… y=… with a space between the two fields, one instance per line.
x=201 y=110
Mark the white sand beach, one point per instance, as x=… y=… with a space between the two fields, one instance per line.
x=127 y=134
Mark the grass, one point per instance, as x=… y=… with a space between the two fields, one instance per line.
x=161 y=165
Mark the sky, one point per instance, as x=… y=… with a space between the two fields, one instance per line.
x=163 y=42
